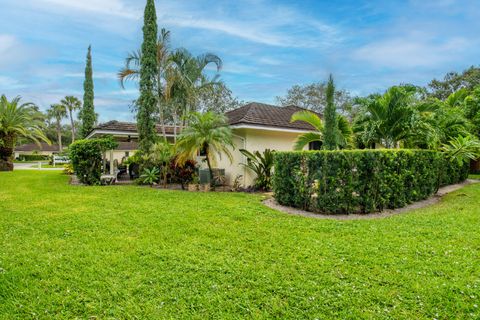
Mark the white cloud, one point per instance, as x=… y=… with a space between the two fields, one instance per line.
x=103 y=7
x=411 y=52
x=8 y=83
x=96 y=75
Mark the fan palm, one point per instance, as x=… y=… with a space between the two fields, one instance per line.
x=72 y=104
x=17 y=120
x=58 y=112
x=207 y=133
x=343 y=134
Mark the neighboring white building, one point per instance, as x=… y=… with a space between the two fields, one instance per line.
x=255 y=127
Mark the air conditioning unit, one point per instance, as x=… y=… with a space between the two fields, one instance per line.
x=204 y=176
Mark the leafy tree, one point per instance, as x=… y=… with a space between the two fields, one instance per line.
x=471 y=108
x=343 y=136
x=217 y=98
x=314 y=97
x=208 y=133
x=58 y=112
x=262 y=166
x=71 y=104
x=453 y=81
x=17 y=120
x=87 y=113
x=330 y=129
x=148 y=76
x=86 y=158
x=160 y=155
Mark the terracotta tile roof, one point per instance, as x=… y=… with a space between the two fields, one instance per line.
x=35 y=147
x=115 y=125
x=260 y=114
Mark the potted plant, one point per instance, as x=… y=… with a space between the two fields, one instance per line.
x=193 y=186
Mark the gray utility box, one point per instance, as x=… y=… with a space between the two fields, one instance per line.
x=204 y=175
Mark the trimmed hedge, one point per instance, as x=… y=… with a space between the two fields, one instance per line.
x=361 y=181
x=32 y=157
x=86 y=158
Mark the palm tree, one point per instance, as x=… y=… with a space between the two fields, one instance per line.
x=58 y=112
x=186 y=79
x=72 y=104
x=390 y=118
x=131 y=71
x=207 y=133
x=17 y=120
x=343 y=134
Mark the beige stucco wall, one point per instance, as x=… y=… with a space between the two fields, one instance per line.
x=254 y=140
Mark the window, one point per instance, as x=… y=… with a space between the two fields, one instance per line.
x=315 y=145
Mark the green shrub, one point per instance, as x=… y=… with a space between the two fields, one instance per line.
x=86 y=158
x=361 y=180
x=32 y=157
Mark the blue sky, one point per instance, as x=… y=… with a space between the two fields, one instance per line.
x=266 y=45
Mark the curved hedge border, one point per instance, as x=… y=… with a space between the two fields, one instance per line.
x=360 y=181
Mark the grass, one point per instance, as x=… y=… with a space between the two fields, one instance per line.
x=135 y=252
x=474 y=176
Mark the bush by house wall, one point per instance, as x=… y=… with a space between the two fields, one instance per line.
x=361 y=181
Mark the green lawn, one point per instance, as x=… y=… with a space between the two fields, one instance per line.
x=134 y=252
x=474 y=176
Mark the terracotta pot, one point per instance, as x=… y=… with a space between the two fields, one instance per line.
x=192 y=187
x=205 y=187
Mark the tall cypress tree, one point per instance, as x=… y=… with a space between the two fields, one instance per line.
x=87 y=114
x=330 y=113
x=148 y=69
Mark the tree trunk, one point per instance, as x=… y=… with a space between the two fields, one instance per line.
x=6 y=153
x=59 y=135
x=174 y=124
x=73 y=125
x=212 y=179
x=162 y=120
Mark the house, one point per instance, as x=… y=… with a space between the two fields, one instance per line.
x=43 y=149
x=255 y=126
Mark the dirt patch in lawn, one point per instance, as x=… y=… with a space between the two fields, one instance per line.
x=272 y=203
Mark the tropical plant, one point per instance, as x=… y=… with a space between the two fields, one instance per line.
x=390 y=118
x=462 y=149
x=262 y=165
x=343 y=136
x=148 y=75
x=58 y=113
x=72 y=104
x=183 y=173
x=17 y=120
x=160 y=155
x=131 y=71
x=207 y=133
x=150 y=176
x=185 y=80
x=87 y=113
